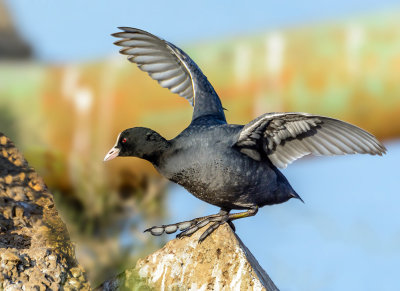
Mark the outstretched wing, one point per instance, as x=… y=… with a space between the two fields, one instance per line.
x=285 y=137
x=171 y=68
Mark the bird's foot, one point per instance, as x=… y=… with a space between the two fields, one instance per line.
x=228 y=218
x=217 y=220
x=191 y=226
x=185 y=226
x=169 y=228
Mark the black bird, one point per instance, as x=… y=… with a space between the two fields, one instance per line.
x=227 y=165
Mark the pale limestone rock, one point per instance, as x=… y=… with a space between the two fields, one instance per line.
x=221 y=262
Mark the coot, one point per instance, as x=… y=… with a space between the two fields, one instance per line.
x=227 y=165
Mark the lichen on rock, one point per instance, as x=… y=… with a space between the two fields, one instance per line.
x=35 y=249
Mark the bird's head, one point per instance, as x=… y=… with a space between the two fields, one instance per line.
x=138 y=142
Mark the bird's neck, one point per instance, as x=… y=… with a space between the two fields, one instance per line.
x=155 y=149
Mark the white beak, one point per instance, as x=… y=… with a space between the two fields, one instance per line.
x=113 y=153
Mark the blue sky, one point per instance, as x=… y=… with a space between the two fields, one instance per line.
x=76 y=30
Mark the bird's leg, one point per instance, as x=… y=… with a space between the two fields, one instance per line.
x=250 y=212
x=233 y=216
x=184 y=225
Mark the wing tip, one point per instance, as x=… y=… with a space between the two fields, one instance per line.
x=383 y=149
x=379 y=148
x=125 y=29
x=118 y=42
x=124 y=51
x=118 y=34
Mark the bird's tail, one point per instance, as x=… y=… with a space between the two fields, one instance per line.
x=295 y=195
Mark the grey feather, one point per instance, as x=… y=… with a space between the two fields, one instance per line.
x=254 y=154
x=289 y=136
x=160 y=59
x=160 y=76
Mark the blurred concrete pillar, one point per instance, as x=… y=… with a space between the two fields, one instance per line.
x=355 y=39
x=12 y=46
x=269 y=97
x=242 y=63
x=275 y=48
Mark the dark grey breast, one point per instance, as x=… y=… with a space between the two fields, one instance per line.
x=285 y=137
x=172 y=68
x=202 y=160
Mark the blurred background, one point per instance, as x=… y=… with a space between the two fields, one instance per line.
x=66 y=93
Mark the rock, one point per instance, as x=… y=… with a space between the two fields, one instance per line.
x=8 y=179
x=76 y=272
x=9 y=255
x=35 y=250
x=220 y=262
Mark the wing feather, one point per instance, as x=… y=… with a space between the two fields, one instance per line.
x=160 y=59
x=160 y=76
x=285 y=137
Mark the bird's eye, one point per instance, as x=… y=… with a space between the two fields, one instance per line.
x=124 y=140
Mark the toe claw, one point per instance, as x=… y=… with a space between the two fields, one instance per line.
x=180 y=235
x=203 y=236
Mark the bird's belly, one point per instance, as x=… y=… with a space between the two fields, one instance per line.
x=228 y=185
